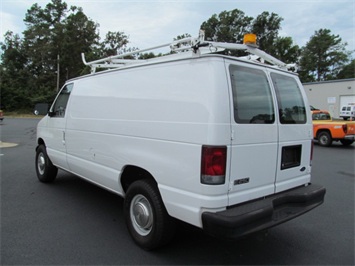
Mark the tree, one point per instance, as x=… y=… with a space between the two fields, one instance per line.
x=348 y=71
x=284 y=49
x=114 y=42
x=228 y=26
x=14 y=76
x=29 y=66
x=266 y=26
x=79 y=36
x=42 y=41
x=323 y=57
x=57 y=33
x=55 y=36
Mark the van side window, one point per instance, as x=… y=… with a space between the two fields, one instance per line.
x=251 y=96
x=291 y=106
x=60 y=104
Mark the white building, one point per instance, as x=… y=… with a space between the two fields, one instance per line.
x=331 y=95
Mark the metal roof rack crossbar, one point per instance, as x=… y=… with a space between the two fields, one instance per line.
x=184 y=48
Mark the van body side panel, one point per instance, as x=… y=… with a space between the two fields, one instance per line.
x=157 y=119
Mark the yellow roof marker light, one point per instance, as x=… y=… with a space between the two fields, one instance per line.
x=249 y=39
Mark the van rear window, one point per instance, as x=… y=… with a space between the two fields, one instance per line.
x=251 y=96
x=290 y=102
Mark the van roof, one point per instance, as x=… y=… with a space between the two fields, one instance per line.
x=176 y=59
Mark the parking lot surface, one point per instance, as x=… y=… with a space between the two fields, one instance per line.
x=72 y=222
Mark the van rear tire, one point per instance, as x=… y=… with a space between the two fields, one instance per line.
x=147 y=220
x=46 y=171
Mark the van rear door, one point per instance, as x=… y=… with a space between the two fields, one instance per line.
x=271 y=133
x=294 y=131
x=254 y=148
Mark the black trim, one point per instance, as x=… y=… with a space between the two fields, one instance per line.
x=244 y=219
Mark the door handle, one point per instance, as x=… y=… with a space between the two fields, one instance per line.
x=63 y=140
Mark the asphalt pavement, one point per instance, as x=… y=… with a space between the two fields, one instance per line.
x=72 y=222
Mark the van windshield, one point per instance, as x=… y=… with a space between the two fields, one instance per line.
x=292 y=109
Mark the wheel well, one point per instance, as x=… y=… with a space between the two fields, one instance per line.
x=131 y=174
x=323 y=130
x=40 y=142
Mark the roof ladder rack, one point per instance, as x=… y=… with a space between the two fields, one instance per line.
x=184 y=48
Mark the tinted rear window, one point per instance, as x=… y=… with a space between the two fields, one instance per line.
x=251 y=96
x=290 y=101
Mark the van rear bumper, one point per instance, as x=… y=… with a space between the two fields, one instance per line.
x=244 y=219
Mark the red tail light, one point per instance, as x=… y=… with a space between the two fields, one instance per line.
x=345 y=128
x=213 y=165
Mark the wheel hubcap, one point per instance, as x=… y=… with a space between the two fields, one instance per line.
x=141 y=215
x=324 y=140
x=41 y=163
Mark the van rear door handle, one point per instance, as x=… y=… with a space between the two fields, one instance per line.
x=63 y=140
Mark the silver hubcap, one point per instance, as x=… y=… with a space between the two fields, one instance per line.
x=141 y=215
x=41 y=163
x=323 y=139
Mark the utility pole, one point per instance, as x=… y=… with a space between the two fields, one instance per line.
x=58 y=74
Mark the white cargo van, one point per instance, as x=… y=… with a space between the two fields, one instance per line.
x=348 y=111
x=222 y=143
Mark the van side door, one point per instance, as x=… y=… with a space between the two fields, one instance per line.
x=55 y=139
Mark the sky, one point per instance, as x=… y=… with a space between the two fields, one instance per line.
x=151 y=22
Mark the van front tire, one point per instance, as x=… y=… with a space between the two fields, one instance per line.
x=46 y=171
x=147 y=220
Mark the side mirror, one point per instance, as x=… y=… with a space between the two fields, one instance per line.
x=51 y=113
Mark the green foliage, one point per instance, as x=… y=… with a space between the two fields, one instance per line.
x=231 y=27
x=228 y=26
x=348 y=71
x=266 y=26
x=14 y=77
x=323 y=57
x=55 y=36
x=113 y=42
x=284 y=49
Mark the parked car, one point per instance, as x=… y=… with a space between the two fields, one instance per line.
x=326 y=130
